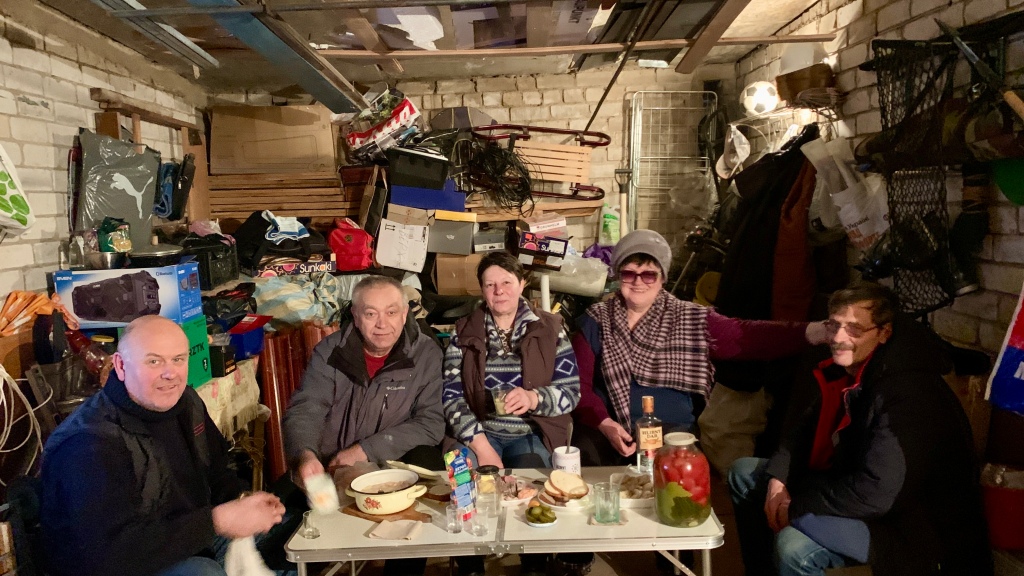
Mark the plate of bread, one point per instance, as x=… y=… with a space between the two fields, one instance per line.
x=565 y=491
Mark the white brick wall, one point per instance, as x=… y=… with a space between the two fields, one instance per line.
x=978 y=320
x=44 y=99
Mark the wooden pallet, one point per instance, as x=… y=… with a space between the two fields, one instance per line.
x=313 y=194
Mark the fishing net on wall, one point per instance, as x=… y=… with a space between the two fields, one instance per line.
x=915 y=79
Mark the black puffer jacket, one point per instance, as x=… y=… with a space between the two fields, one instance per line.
x=905 y=464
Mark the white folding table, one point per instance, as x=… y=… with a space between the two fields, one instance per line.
x=344 y=538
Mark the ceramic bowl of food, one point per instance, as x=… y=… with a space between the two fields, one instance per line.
x=386 y=491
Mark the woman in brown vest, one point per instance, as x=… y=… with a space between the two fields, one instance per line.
x=506 y=344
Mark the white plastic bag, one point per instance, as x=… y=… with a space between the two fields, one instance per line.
x=242 y=559
x=864 y=211
x=15 y=213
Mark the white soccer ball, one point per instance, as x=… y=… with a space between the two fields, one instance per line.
x=759 y=97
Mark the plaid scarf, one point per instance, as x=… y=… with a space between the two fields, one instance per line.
x=668 y=348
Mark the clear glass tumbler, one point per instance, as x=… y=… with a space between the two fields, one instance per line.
x=308 y=531
x=606 y=503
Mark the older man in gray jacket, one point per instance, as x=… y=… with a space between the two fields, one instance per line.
x=371 y=392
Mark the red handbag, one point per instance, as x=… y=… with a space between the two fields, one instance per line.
x=352 y=245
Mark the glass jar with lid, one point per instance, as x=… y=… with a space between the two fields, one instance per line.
x=682 y=482
x=488 y=490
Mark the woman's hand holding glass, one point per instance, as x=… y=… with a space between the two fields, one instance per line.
x=520 y=401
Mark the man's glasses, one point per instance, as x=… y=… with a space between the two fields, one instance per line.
x=630 y=276
x=854 y=330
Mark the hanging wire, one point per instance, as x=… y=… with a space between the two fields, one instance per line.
x=643 y=24
x=501 y=172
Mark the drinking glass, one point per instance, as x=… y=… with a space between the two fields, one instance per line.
x=606 y=503
x=453 y=518
x=308 y=530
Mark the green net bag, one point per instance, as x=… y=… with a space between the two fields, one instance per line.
x=15 y=213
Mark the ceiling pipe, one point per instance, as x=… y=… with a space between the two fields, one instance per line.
x=280 y=45
x=265 y=9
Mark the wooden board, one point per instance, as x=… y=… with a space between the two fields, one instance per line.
x=198 y=207
x=555 y=162
x=408 y=514
x=281 y=180
x=566 y=207
x=148 y=112
x=328 y=213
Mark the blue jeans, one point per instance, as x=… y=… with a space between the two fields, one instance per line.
x=195 y=566
x=792 y=551
x=521 y=452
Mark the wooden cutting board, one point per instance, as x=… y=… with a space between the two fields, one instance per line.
x=409 y=513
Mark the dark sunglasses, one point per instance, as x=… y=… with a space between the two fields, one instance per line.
x=853 y=330
x=629 y=276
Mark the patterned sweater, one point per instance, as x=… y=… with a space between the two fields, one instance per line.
x=561 y=397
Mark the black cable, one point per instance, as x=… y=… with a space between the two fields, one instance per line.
x=501 y=172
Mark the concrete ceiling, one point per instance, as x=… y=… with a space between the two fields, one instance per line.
x=243 y=69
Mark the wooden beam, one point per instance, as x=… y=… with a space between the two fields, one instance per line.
x=539 y=23
x=558 y=50
x=198 y=207
x=360 y=27
x=114 y=102
x=448 y=41
x=710 y=35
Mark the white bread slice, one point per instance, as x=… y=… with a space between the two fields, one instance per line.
x=571 y=485
x=551 y=500
x=553 y=491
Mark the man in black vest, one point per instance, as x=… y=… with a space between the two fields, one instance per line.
x=136 y=482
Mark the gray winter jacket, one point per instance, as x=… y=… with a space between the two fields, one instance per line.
x=338 y=406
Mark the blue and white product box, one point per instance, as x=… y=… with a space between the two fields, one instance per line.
x=113 y=298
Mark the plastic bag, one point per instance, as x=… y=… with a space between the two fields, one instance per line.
x=117 y=181
x=15 y=213
x=292 y=299
x=864 y=211
x=242 y=559
x=610 y=226
x=580 y=276
x=823 y=216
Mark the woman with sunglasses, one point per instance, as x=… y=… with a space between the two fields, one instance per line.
x=646 y=342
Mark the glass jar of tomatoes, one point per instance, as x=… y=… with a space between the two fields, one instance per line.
x=682 y=481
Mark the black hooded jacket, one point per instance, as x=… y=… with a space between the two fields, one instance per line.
x=905 y=465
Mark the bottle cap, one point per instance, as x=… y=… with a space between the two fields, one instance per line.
x=648 y=403
x=680 y=439
x=487 y=470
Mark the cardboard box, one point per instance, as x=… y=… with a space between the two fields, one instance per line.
x=538 y=251
x=402 y=246
x=447 y=237
x=456 y=275
x=542 y=245
x=490 y=239
x=265 y=139
x=407 y=215
x=456 y=216
x=113 y=298
x=317 y=263
x=447 y=198
x=199 y=369
x=543 y=223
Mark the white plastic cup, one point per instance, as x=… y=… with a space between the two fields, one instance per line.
x=566 y=459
